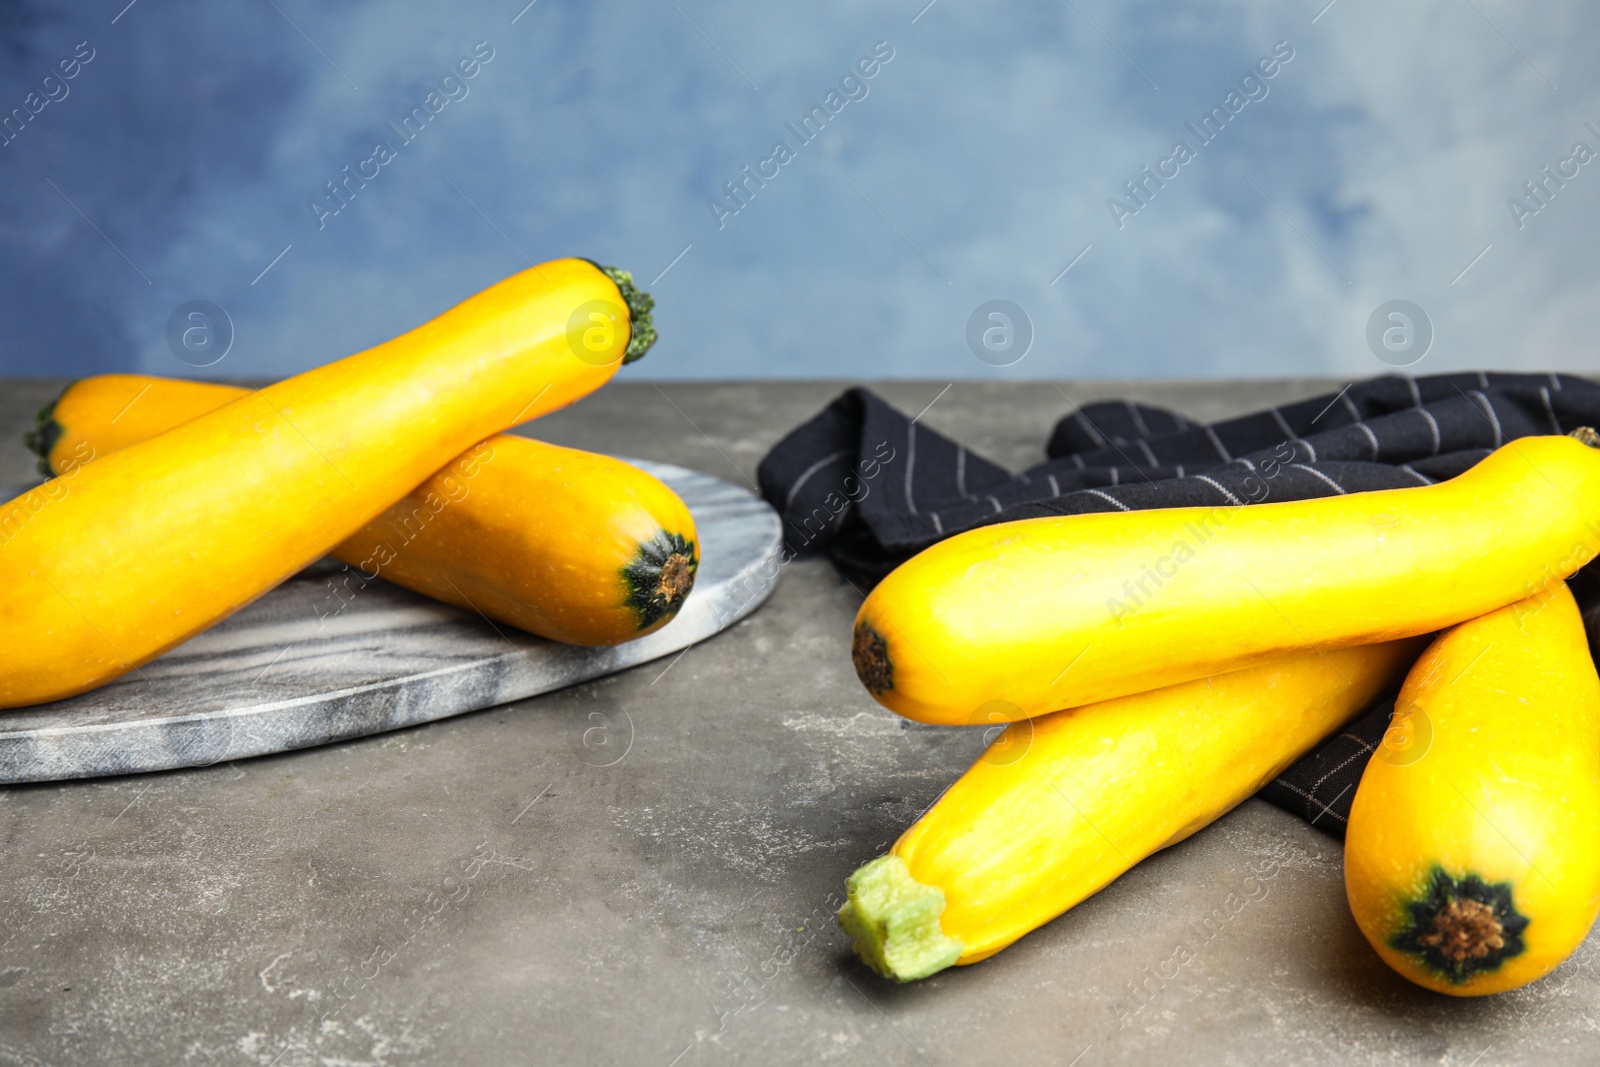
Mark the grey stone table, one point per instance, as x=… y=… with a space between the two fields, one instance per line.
x=475 y=891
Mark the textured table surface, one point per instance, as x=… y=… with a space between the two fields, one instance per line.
x=477 y=891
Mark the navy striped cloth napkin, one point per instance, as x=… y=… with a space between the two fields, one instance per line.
x=871 y=487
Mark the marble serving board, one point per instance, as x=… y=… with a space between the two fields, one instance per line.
x=305 y=665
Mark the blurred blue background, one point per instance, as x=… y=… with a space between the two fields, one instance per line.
x=182 y=162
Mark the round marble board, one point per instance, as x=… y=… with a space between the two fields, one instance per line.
x=307 y=664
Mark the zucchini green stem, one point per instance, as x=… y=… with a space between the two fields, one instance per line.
x=43 y=437
x=894 y=920
x=641 y=327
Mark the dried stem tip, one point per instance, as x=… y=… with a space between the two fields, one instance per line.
x=871 y=655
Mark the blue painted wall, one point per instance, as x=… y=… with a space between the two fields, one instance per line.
x=189 y=155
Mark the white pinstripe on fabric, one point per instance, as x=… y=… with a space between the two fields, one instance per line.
x=1083 y=420
x=911 y=463
x=1549 y=408
x=1494 y=419
x=1320 y=476
x=805 y=475
x=1216 y=442
x=1419 y=476
x=1138 y=420
x=1433 y=426
x=1377 y=449
x=1108 y=498
x=1219 y=487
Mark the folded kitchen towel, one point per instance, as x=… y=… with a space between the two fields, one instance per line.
x=871 y=487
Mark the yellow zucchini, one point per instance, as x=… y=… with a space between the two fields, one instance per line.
x=97 y=416
x=1055 y=613
x=1472 y=857
x=562 y=543
x=1061 y=805
x=106 y=568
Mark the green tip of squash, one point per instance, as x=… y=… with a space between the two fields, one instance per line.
x=641 y=327
x=894 y=920
x=1587 y=435
x=43 y=437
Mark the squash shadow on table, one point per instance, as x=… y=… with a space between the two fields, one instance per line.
x=1357 y=974
x=1055 y=961
x=1079 y=963
x=1043 y=992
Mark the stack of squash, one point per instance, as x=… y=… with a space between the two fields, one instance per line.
x=1472 y=856
x=173 y=504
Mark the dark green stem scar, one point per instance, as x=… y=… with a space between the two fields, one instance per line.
x=43 y=437
x=660 y=576
x=871 y=655
x=1462 y=926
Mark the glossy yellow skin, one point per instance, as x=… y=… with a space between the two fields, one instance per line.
x=100 y=415
x=106 y=568
x=1039 y=613
x=528 y=533
x=531 y=534
x=1061 y=805
x=1503 y=782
